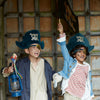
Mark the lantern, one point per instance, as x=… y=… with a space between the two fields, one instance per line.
x=15 y=85
x=14 y=80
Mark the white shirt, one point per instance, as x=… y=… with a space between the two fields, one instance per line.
x=38 y=86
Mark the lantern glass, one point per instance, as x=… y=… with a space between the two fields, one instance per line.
x=15 y=84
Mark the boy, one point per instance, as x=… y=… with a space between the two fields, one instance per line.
x=36 y=71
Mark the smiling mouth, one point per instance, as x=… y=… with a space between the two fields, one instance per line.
x=82 y=57
x=36 y=53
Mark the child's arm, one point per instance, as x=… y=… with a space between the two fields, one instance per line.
x=67 y=58
x=62 y=43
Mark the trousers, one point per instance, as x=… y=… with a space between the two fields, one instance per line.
x=68 y=96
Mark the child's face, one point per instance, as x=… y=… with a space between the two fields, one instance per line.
x=80 y=55
x=34 y=50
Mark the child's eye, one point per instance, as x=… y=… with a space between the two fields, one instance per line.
x=33 y=47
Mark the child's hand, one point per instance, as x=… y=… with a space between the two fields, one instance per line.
x=56 y=78
x=60 y=27
x=8 y=70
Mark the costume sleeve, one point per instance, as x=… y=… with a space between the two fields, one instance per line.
x=91 y=88
x=67 y=58
x=89 y=84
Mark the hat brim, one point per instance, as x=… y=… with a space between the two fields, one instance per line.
x=42 y=44
x=90 y=48
x=23 y=45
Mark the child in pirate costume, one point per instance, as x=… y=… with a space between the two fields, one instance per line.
x=36 y=71
x=76 y=73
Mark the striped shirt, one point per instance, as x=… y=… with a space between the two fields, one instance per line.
x=77 y=81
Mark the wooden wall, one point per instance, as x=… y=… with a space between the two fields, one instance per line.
x=88 y=12
x=23 y=15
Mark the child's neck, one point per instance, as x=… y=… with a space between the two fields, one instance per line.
x=80 y=62
x=34 y=60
